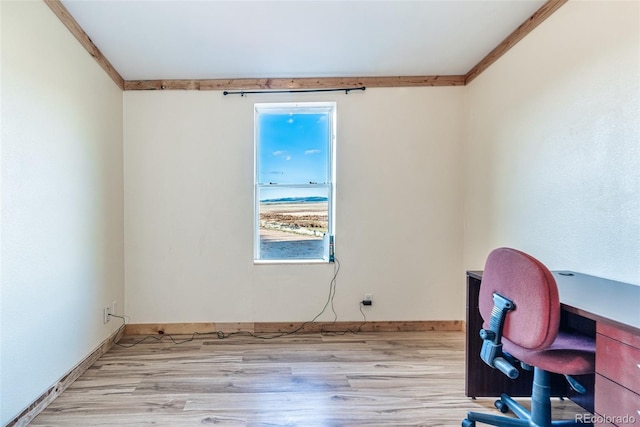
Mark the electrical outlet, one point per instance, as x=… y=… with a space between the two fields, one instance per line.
x=105 y=314
x=368 y=299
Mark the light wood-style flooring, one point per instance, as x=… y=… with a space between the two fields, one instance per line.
x=391 y=379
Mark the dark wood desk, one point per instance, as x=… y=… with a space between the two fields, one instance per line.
x=606 y=309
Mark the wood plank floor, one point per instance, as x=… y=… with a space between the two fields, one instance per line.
x=393 y=379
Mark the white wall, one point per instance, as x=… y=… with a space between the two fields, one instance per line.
x=62 y=203
x=541 y=152
x=553 y=146
x=188 y=160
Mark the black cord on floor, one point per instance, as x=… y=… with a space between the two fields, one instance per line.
x=223 y=335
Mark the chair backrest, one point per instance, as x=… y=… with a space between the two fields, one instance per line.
x=531 y=287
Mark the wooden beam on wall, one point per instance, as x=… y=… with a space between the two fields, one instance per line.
x=305 y=83
x=518 y=34
x=63 y=14
x=295 y=83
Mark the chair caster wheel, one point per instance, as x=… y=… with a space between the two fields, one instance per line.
x=468 y=423
x=501 y=406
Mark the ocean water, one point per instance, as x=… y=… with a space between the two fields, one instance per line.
x=288 y=249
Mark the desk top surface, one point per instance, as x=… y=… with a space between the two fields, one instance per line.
x=596 y=298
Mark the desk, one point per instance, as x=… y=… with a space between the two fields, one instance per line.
x=606 y=309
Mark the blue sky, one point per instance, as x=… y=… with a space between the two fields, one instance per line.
x=293 y=148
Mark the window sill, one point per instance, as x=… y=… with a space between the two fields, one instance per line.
x=290 y=261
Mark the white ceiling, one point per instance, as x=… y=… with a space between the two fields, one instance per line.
x=215 y=39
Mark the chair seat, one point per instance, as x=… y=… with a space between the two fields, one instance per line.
x=569 y=354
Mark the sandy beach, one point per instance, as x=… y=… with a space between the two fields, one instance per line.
x=292 y=230
x=314 y=208
x=271 y=235
x=303 y=219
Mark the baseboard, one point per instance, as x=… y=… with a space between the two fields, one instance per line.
x=61 y=385
x=278 y=327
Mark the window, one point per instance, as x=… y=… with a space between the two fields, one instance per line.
x=294 y=181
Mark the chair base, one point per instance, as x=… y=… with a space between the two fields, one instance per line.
x=540 y=415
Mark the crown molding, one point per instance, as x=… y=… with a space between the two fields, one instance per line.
x=294 y=83
x=72 y=25
x=545 y=11
x=518 y=34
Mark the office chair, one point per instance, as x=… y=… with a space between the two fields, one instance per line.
x=520 y=307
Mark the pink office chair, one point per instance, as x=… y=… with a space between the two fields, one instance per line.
x=520 y=307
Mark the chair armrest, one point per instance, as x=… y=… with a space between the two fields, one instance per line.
x=491 y=352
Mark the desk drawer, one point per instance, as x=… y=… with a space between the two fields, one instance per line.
x=632 y=339
x=615 y=404
x=619 y=362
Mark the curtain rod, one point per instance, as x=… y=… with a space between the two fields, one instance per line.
x=245 y=92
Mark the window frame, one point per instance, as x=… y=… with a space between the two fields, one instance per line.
x=330 y=108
